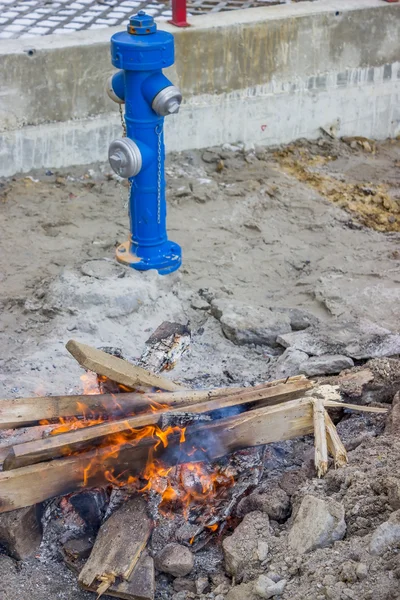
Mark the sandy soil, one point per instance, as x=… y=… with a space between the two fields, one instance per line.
x=312 y=226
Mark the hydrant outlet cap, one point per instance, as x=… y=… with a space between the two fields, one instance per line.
x=141 y=24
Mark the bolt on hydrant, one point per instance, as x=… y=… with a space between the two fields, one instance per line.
x=140 y=54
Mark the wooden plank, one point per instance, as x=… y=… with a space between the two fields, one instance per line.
x=89 y=437
x=320 y=442
x=19 y=412
x=335 y=444
x=117 y=369
x=165 y=347
x=38 y=482
x=118 y=547
x=141 y=585
x=12 y=437
x=356 y=407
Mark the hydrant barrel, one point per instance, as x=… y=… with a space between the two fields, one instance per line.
x=141 y=53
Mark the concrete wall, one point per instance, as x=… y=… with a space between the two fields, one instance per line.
x=266 y=76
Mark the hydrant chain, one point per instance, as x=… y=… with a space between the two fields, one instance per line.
x=148 y=96
x=159 y=132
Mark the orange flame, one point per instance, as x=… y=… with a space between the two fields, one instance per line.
x=179 y=487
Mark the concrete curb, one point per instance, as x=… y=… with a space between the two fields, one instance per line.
x=263 y=76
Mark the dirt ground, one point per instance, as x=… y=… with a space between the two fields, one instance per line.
x=314 y=226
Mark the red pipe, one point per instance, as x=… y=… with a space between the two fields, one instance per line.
x=179 y=13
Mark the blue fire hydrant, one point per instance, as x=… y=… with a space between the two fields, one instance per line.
x=141 y=53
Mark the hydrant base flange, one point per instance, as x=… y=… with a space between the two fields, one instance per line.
x=168 y=261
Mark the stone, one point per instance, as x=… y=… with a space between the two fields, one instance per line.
x=299 y=319
x=386 y=535
x=174 y=559
x=393 y=492
x=274 y=502
x=291 y=481
x=199 y=303
x=318 y=524
x=244 y=591
x=274 y=576
x=348 y=572
x=357 y=339
x=262 y=550
x=240 y=549
x=362 y=571
x=265 y=587
x=244 y=324
x=209 y=156
x=289 y=363
x=103 y=268
x=78 y=548
x=222 y=588
x=327 y=364
x=182 y=584
x=201 y=585
x=219 y=597
x=21 y=531
x=204 y=190
x=393 y=419
x=183 y=595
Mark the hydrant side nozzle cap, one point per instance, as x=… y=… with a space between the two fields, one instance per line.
x=141 y=24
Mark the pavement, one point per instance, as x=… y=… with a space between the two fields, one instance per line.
x=32 y=18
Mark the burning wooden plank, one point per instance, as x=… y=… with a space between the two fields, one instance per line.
x=113 y=564
x=19 y=412
x=107 y=433
x=38 y=482
x=117 y=369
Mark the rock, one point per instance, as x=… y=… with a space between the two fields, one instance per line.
x=393 y=419
x=274 y=576
x=78 y=548
x=348 y=571
x=244 y=324
x=201 y=585
x=292 y=480
x=262 y=550
x=244 y=591
x=274 y=502
x=290 y=363
x=318 y=524
x=219 y=597
x=386 y=535
x=393 y=491
x=357 y=339
x=21 y=531
x=102 y=268
x=240 y=549
x=265 y=587
x=199 y=303
x=362 y=571
x=219 y=579
x=222 y=588
x=183 y=595
x=299 y=319
x=182 y=584
x=174 y=559
x=327 y=364
x=204 y=190
x=210 y=157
